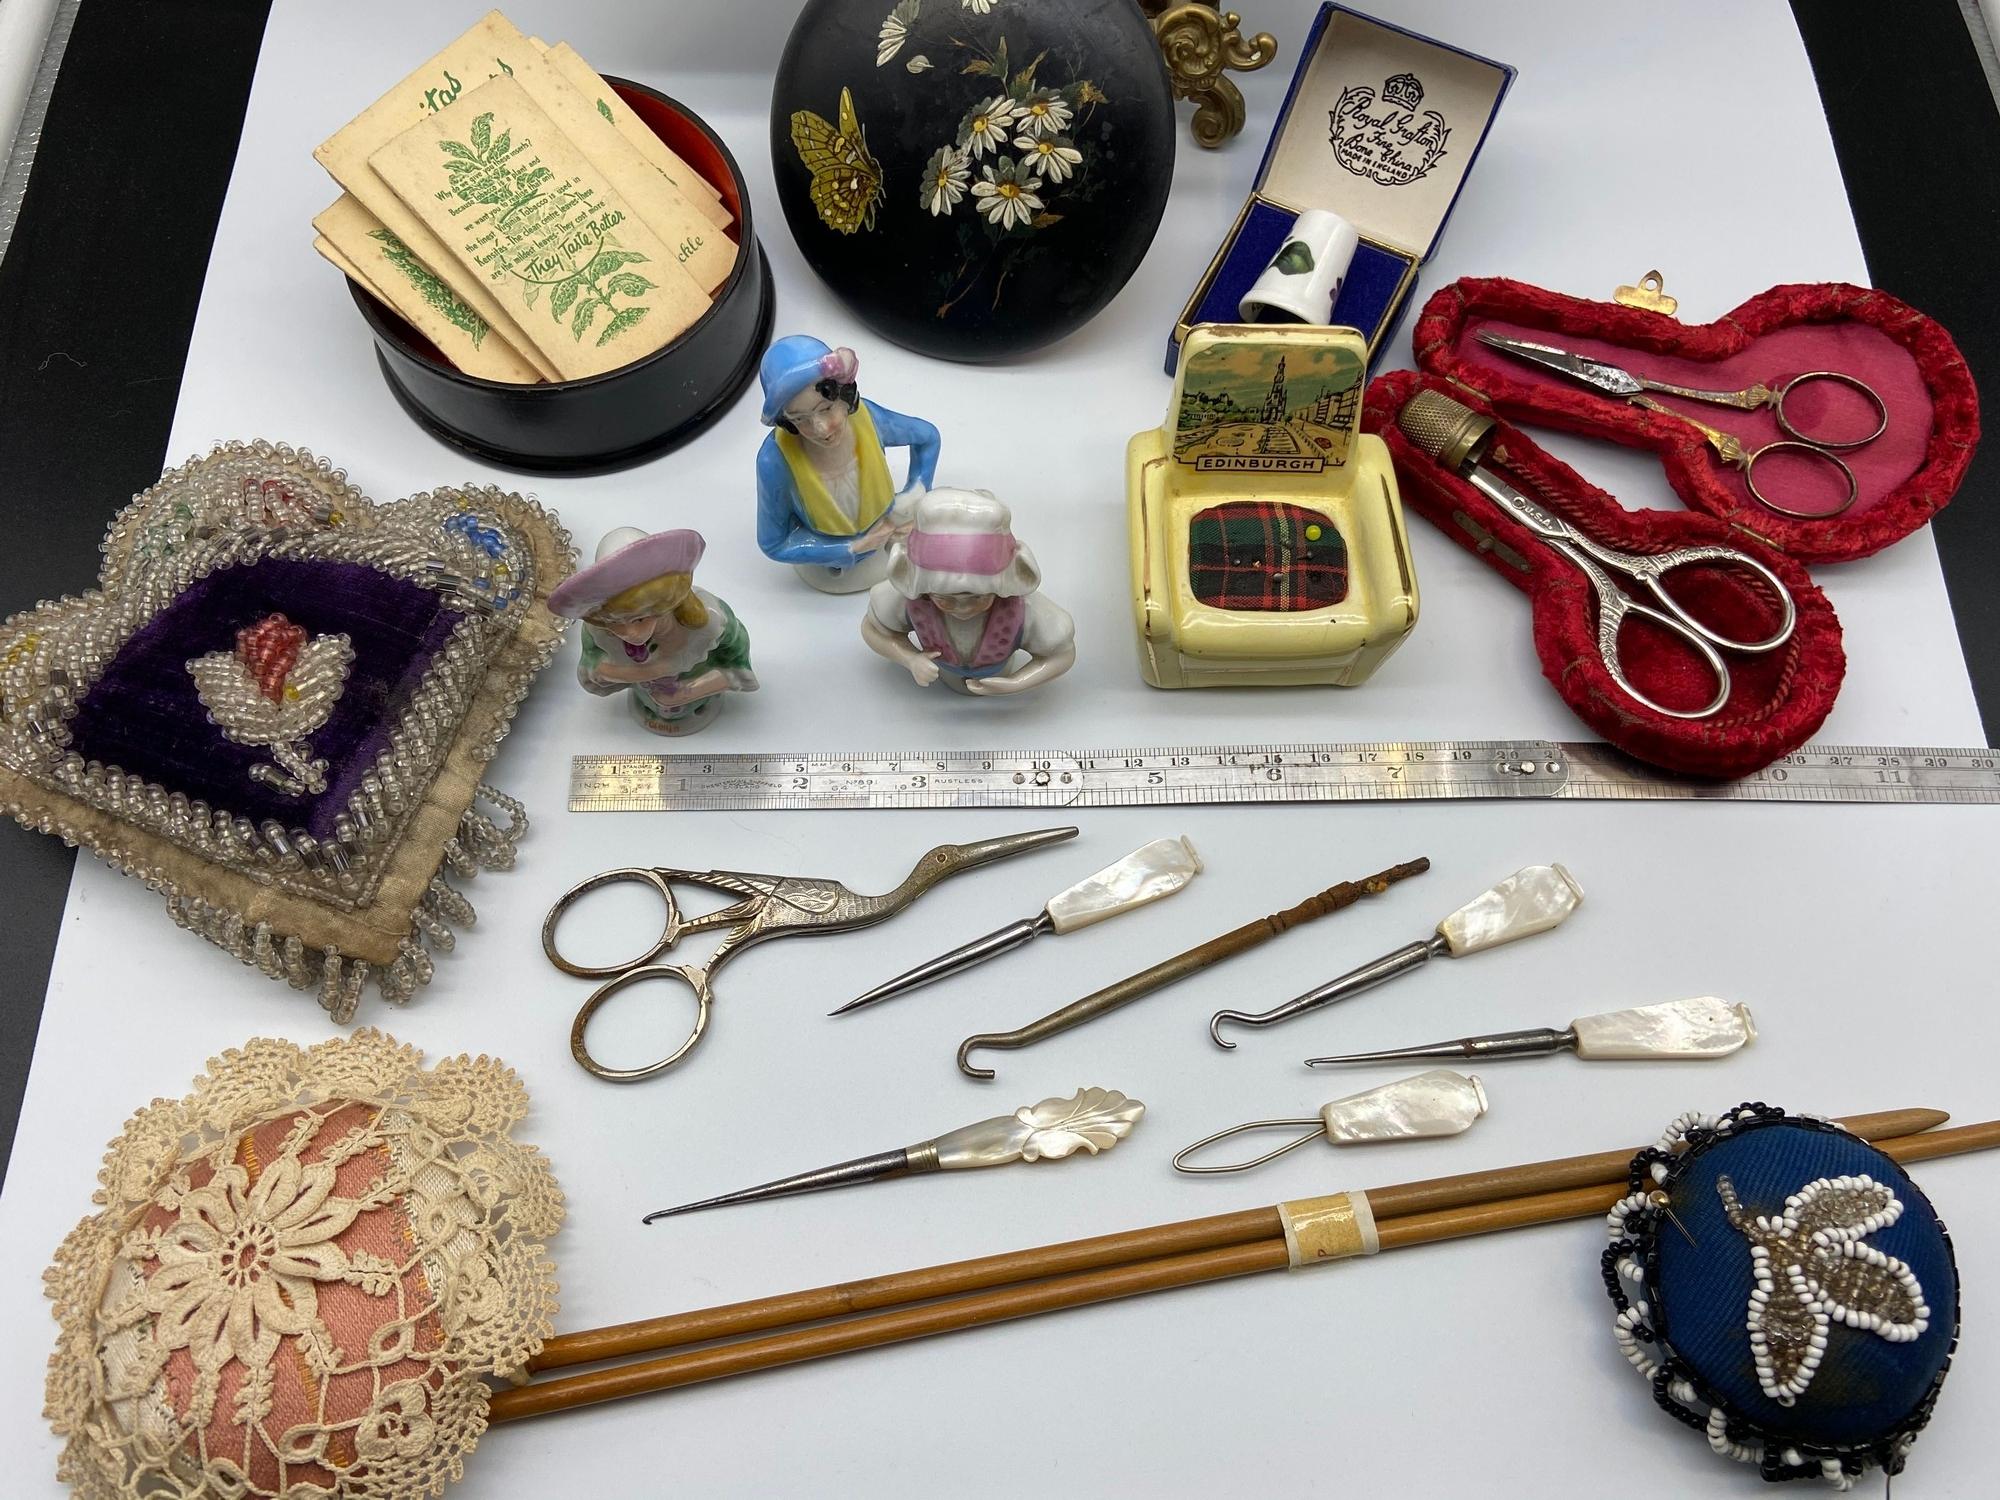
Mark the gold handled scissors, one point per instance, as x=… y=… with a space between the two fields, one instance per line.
x=767 y=906
x=1729 y=448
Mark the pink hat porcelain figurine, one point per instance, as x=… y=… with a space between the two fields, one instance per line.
x=625 y=557
x=647 y=628
x=960 y=602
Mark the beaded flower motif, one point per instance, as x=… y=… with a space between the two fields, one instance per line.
x=1812 y=1266
x=277 y=687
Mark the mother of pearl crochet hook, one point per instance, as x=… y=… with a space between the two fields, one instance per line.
x=1436 y=1103
x=1701 y=1028
x=1145 y=875
x=1090 y=1120
x=1529 y=901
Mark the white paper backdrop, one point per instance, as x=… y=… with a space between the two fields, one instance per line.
x=1628 y=142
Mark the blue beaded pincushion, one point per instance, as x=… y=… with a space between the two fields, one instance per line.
x=277 y=707
x=1787 y=1290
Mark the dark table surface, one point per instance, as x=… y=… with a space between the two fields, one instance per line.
x=90 y=373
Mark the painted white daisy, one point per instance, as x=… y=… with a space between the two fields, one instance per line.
x=918 y=64
x=1006 y=195
x=945 y=178
x=1051 y=157
x=1044 y=113
x=985 y=128
x=977 y=7
x=895 y=31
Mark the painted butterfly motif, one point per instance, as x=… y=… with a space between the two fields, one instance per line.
x=846 y=179
x=1812 y=1266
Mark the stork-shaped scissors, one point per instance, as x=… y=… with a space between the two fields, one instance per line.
x=769 y=906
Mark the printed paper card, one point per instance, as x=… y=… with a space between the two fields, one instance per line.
x=356 y=241
x=520 y=207
x=585 y=79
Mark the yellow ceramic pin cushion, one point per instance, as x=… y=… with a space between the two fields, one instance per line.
x=1266 y=528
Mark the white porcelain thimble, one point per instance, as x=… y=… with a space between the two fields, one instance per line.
x=1303 y=280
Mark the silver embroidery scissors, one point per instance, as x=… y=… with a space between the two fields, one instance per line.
x=1729 y=448
x=1458 y=437
x=768 y=906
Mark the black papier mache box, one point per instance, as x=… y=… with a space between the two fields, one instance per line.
x=1382 y=126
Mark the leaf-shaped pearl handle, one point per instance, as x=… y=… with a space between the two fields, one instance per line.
x=1145 y=875
x=1529 y=901
x=1090 y=1120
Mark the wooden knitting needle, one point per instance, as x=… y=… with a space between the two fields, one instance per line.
x=1266 y=1252
x=650 y=1335
x=796 y=1346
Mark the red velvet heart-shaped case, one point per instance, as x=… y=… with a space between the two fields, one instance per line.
x=1901 y=479
x=1777 y=698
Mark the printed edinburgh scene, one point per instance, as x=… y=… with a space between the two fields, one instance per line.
x=1268 y=406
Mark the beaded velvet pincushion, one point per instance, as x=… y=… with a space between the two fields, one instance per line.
x=1787 y=1290
x=299 y=1276
x=276 y=708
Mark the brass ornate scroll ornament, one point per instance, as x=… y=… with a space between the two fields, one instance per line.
x=1199 y=40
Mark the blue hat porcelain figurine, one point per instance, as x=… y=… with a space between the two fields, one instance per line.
x=1788 y=1291
x=826 y=502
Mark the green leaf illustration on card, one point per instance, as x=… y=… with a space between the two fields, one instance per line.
x=548 y=232
x=605 y=110
x=626 y=317
x=431 y=287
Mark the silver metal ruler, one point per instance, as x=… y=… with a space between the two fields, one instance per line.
x=1389 y=771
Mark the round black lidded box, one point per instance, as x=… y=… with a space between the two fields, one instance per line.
x=973 y=178
x=625 y=415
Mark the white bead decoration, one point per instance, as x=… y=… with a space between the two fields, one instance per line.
x=242 y=503
x=1810 y=1267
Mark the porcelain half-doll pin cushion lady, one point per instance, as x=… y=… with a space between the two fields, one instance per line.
x=967 y=592
x=679 y=649
x=825 y=500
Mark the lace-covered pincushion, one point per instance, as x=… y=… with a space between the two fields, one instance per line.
x=299 y=1276
x=277 y=704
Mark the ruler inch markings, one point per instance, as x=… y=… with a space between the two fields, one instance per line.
x=1280 y=774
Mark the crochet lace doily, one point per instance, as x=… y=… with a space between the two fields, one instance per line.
x=299 y=1276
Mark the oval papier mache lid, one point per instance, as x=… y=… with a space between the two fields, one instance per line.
x=973 y=178
x=1788 y=1291
x=299 y=1277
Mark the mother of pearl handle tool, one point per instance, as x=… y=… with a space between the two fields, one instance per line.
x=1439 y=1102
x=1150 y=873
x=1170 y=970
x=1531 y=900
x=1090 y=1120
x=1676 y=1030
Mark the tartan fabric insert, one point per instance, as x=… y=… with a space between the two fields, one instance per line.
x=1261 y=555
